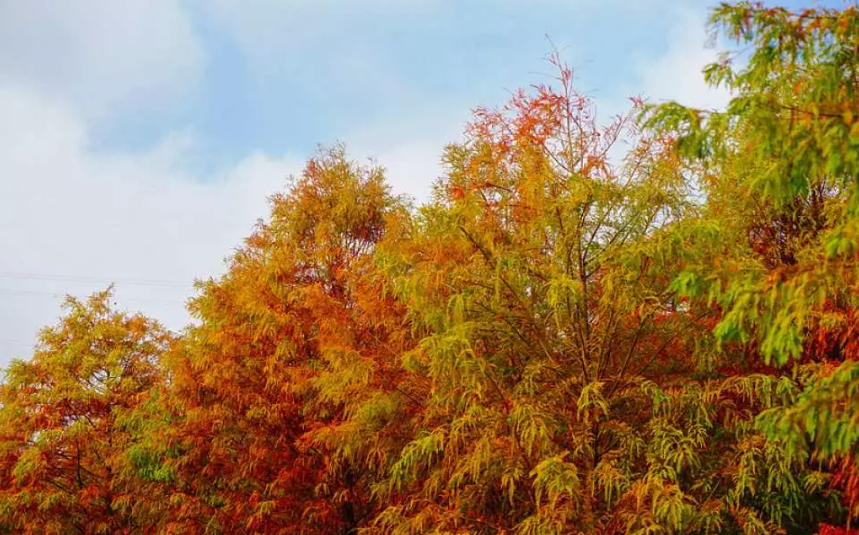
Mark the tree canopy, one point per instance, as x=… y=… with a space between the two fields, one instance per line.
x=642 y=324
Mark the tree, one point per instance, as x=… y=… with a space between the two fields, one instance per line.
x=292 y=338
x=562 y=371
x=780 y=171
x=62 y=433
x=641 y=326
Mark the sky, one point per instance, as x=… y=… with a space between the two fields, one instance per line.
x=139 y=139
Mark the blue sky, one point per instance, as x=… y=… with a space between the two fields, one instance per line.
x=285 y=78
x=139 y=138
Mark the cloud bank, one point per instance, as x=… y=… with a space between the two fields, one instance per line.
x=75 y=216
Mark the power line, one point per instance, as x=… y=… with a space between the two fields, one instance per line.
x=8 y=291
x=95 y=280
x=17 y=342
x=62 y=295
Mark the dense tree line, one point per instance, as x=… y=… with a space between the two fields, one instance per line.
x=646 y=325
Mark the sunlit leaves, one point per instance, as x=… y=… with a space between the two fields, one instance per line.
x=595 y=327
x=65 y=442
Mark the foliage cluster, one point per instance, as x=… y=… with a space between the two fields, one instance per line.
x=643 y=326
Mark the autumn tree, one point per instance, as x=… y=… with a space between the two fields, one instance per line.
x=780 y=167
x=63 y=415
x=645 y=324
x=297 y=335
x=559 y=367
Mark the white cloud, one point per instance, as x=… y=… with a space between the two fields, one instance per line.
x=412 y=167
x=677 y=73
x=142 y=219
x=72 y=220
x=410 y=148
x=84 y=219
x=105 y=57
x=270 y=31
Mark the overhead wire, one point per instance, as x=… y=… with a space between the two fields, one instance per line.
x=99 y=280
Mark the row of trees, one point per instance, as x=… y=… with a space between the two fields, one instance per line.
x=563 y=341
